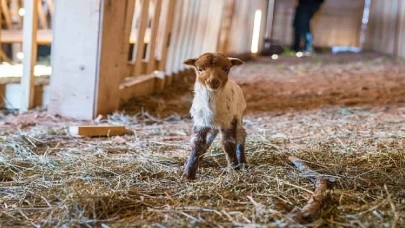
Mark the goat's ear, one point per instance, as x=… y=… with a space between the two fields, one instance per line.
x=236 y=61
x=190 y=62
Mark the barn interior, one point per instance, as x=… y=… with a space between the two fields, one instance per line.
x=95 y=126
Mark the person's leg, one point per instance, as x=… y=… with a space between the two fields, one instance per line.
x=297 y=30
x=308 y=38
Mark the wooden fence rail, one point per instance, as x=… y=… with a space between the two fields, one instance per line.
x=98 y=62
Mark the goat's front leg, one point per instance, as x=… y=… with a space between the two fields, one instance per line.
x=198 y=148
x=212 y=134
x=229 y=144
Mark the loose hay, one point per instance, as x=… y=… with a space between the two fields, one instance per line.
x=50 y=179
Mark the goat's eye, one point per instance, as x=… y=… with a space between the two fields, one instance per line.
x=200 y=70
x=226 y=69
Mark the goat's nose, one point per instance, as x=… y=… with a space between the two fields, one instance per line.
x=214 y=81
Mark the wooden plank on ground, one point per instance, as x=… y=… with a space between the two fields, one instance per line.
x=99 y=130
x=139 y=47
x=30 y=53
x=150 y=53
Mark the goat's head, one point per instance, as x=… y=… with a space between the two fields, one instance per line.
x=212 y=69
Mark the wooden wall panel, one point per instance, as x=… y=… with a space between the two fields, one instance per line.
x=385 y=30
x=338 y=23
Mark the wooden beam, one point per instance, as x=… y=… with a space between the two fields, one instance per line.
x=150 y=53
x=6 y=13
x=112 y=63
x=44 y=36
x=30 y=53
x=139 y=47
x=88 y=57
x=42 y=16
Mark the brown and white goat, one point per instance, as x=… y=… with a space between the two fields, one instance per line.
x=218 y=105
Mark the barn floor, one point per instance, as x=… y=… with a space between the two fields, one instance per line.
x=344 y=115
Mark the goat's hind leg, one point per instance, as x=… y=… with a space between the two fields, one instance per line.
x=240 y=146
x=229 y=144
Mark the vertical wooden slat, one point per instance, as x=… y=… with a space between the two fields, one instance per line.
x=50 y=5
x=226 y=25
x=30 y=53
x=6 y=13
x=173 y=49
x=42 y=17
x=129 y=18
x=168 y=34
x=187 y=34
x=196 y=25
x=140 y=42
x=150 y=54
x=180 y=47
x=399 y=28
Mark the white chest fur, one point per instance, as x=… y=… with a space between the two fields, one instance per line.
x=217 y=108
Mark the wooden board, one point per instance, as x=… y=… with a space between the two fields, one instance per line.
x=74 y=64
x=30 y=53
x=44 y=36
x=112 y=60
x=94 y=131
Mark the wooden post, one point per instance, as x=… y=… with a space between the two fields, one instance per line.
x=30 y=53
x=88 y=59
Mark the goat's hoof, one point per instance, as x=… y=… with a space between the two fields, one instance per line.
x=186 y=176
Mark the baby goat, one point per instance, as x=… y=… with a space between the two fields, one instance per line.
x=218 y=105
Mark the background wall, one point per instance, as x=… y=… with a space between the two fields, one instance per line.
x=386 y=27
x=338 y=23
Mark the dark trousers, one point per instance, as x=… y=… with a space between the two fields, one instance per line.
x=302 y=28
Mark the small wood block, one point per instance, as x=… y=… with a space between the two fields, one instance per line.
x=91 y=131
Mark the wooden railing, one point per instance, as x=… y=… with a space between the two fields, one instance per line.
x=138 y=45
